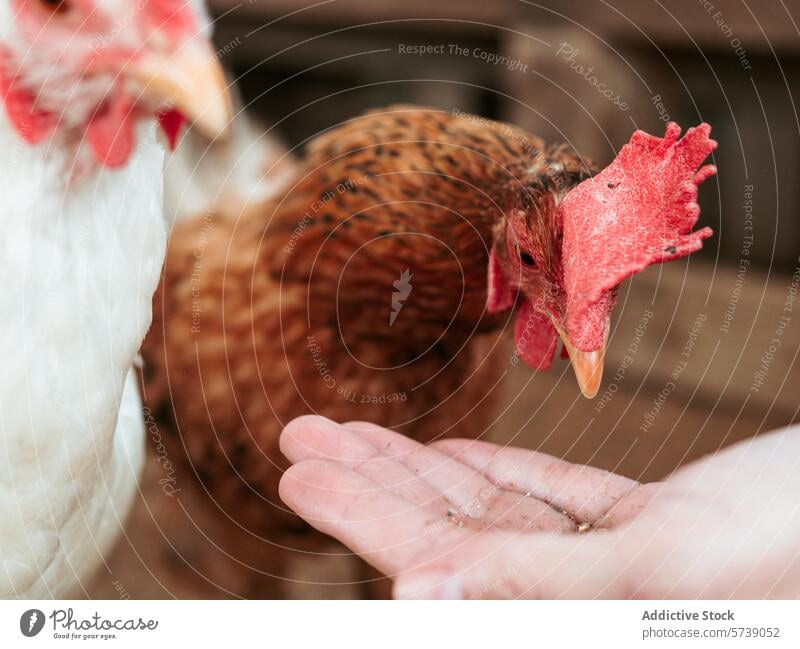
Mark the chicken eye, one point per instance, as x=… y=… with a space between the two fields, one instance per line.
x=55 y=6
x=526 y=259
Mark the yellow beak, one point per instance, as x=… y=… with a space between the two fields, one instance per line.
x=588 y=366
x=191 y=81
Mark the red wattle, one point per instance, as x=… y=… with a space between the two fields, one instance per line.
x=110 y=131
x=171 y=121
x=33 y=124
x=535 y=338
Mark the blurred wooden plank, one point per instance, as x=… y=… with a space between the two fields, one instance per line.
x=559 y=104
x=713 y=24
x=568 y=426
x=674 y=23
x=743 y=316
x=459 y=15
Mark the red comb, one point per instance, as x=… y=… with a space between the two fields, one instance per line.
x=638 y=211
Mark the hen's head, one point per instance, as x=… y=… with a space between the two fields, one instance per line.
x=88 y=70
x=562 y=262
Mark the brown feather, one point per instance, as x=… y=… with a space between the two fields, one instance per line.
x=287 y=311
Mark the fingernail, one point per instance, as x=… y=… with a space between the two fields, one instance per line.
x=429 y=584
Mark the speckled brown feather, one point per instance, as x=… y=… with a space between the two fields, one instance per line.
x=286 y=311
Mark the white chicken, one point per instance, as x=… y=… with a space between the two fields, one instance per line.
x=82 y=82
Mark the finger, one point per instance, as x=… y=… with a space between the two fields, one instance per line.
x=315 y=437
x=457 y=482
x=508 y=565
x=385 y=529
x=312 y=437
x=477 y=502
x=584 y=492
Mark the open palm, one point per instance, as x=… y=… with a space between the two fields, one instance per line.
x=462 y=518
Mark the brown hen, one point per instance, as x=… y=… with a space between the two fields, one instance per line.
x=360 y=294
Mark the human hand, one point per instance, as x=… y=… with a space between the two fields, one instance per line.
x=468 y=519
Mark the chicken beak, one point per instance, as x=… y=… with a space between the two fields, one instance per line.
x=588 y=366
x=191 y=81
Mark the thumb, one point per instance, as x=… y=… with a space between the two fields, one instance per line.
x=498 y=564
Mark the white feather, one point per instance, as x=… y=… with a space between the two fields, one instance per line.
x=79 y=261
